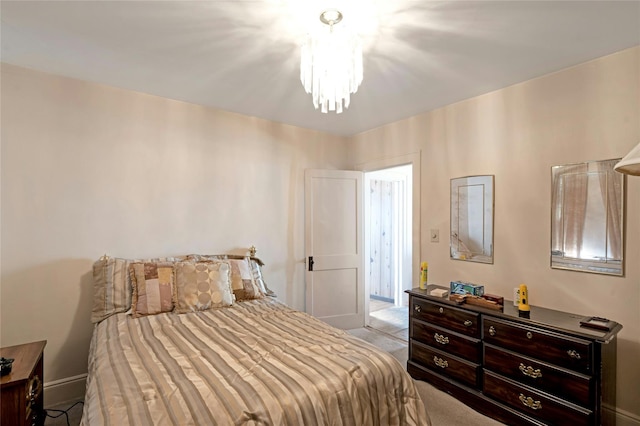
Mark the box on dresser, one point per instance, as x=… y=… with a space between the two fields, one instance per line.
x=542 y=370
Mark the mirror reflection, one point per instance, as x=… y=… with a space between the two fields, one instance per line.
x=472 y=219
x=587 y=211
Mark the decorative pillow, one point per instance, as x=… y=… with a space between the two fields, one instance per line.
x=152 y=284
x=256 y=271
x=243 y=283
x=206 y=257
x=112 y=289
x=202 y=285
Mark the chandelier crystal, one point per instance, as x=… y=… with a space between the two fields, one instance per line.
x=331 y=63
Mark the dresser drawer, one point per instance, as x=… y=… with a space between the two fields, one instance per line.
x=445 y=364
x=537 y=404
x=453 y=343
x=569 y=385
x=558 y=349
x=445 y=316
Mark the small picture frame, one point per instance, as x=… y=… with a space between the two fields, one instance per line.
x=597 y=323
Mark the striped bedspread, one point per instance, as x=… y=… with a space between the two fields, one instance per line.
x=255 y=363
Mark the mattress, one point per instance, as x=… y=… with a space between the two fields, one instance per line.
x=257 y=362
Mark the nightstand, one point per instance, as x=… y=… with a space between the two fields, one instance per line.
x=21 y=390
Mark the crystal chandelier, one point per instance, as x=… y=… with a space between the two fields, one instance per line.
x=331 y=63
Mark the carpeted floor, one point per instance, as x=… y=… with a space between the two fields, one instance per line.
x=392 y=320
x=56 y=415
x=387 y=342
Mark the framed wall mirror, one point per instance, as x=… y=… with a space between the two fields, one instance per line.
x=472 y=219
x=587 y=217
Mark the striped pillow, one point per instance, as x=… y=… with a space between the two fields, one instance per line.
x=256 y=271
x=112 y=290
x=202 y=285
x=111 y=287
x=152 y=284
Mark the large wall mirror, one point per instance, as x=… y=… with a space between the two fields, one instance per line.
x=472 y=219
x=587 y=217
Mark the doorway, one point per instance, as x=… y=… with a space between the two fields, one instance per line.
x=388 y=195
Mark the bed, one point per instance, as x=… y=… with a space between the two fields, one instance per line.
x=254 y=361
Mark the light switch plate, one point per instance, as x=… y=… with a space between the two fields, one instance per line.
x=435 y=235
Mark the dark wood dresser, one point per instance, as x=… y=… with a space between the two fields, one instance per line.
x=21 y=391
x=541 y=370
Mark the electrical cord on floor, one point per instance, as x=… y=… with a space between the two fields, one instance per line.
x=61 y=412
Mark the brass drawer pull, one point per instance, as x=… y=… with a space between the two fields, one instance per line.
x=573 y=354
x=441 y=310
x=35 y=387
x=468 y=323
x=492 y=330
x=529 y=335
x=443 y=340
x=417 y=308
x=529 y=402
x=440 y=362
x=530 y=371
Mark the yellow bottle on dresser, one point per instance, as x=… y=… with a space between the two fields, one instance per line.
x=423 y=275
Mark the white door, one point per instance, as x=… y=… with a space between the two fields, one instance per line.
x=334 y=247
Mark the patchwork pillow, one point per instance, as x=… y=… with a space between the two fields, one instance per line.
x=152 y=284
x=202 y=285
x=112 y=289
x=243 y=283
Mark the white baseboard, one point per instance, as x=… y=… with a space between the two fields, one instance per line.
x=625 y=418
x=69 y=389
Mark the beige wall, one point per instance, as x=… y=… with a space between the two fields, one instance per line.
x=89 y=169
x=588 y=112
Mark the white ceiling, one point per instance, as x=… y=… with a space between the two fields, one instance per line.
x=243 y=56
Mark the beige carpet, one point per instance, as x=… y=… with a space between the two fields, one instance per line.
x=391 y=320
x=443 y=409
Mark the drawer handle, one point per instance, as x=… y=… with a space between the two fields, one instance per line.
x=441 y=310
x=443 y=340
x=468 y=323
x=440 y=362
x=529 y=335
x=530 y=371
x=35 y=387
x=492 y=330
x=529 y=402
x=417 y=308
x=573 y=354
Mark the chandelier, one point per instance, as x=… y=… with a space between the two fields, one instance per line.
x=331 y=63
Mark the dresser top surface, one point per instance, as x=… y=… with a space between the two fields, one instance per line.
x=548 y=318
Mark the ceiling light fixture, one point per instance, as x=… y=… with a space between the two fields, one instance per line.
x=630 y=164
x=331 y=63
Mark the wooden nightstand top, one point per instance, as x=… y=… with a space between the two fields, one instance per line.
x=26 y=357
